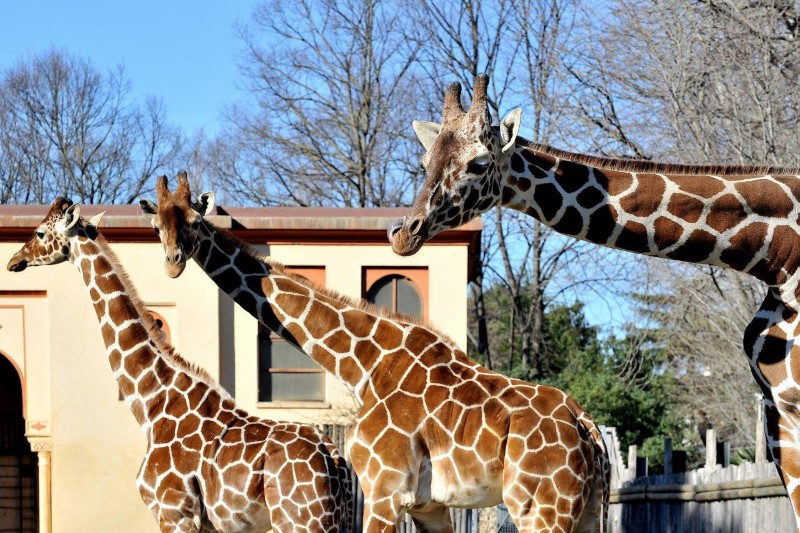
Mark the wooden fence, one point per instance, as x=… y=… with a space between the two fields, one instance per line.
x=748 y=498
x=737 y=499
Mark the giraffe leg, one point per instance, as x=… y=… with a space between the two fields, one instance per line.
x=384 y=507
x=389 y=475
x=174 y=507
x=380 y=517
x=174 y=520
x=536 y=516
x=782 y=432
x=433 y=519
x=184 y=525
x=180 y=512
x=547 y=490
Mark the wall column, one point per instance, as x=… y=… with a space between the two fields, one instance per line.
x=43 y=448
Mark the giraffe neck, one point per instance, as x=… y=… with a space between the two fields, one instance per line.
x=329 y=328
x=143 y=366
x=742 y=220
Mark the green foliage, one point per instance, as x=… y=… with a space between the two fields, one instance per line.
x=620 y=382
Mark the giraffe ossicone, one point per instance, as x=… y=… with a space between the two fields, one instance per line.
x=209 y=466
x=741 y=217
x=434 y=428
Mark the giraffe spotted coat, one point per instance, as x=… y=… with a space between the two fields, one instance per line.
x=745 y=218
x=435 y=429
x=209 y=465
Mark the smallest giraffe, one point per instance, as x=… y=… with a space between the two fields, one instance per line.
x=209 y=466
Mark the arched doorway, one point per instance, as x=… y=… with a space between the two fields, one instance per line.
x=17 y=461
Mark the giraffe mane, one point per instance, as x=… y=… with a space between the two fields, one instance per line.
x=166 y=349
x=644 y=165
x=357 y=303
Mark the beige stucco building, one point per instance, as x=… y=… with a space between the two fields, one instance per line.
x=86 y=447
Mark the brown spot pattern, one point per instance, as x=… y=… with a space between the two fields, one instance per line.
x=184 y=412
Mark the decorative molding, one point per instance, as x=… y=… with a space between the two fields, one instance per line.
x=40 y=444
x=37 y=428
x=294 y=404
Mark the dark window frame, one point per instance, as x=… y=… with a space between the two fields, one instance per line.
x=316 y=275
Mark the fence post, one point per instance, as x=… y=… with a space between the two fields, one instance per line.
x=632 y=450
x=711 y=448
x=724 y=454
x=667 y=455
x=761 y=439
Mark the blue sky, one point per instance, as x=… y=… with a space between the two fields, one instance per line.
x=182 y=51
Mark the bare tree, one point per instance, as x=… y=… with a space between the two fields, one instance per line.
x=71 y=129
x=713 y=81
x=329 y=81
x=525 y=44
x=692 y=81
x=698 y=317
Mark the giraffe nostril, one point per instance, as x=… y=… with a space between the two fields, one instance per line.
x=175 y=257
x=394 y=227
x=415 y=226
x=17 y=266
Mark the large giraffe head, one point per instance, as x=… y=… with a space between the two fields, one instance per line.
x=464 y=161
x=176 y=220
x=51 y=240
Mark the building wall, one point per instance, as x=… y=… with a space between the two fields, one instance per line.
x=72 y=404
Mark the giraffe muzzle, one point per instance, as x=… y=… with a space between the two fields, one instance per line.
x=404 y=241
x=174 y=269
x=17 y=265
x=176 y=257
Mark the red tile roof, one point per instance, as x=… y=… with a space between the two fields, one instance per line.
x=257 y=225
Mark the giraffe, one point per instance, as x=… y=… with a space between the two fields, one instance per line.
x=739 y=217
x=435 y=429
x=209 y=465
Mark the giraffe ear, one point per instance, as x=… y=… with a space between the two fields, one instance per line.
x=509 y=128
x=148 y=208
x=72 y=215
x=205 y=203
x=426 y=132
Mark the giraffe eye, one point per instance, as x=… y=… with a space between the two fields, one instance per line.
x=40 y=234
x=477 y=166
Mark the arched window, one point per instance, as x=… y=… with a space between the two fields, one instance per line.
x=397 y=293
